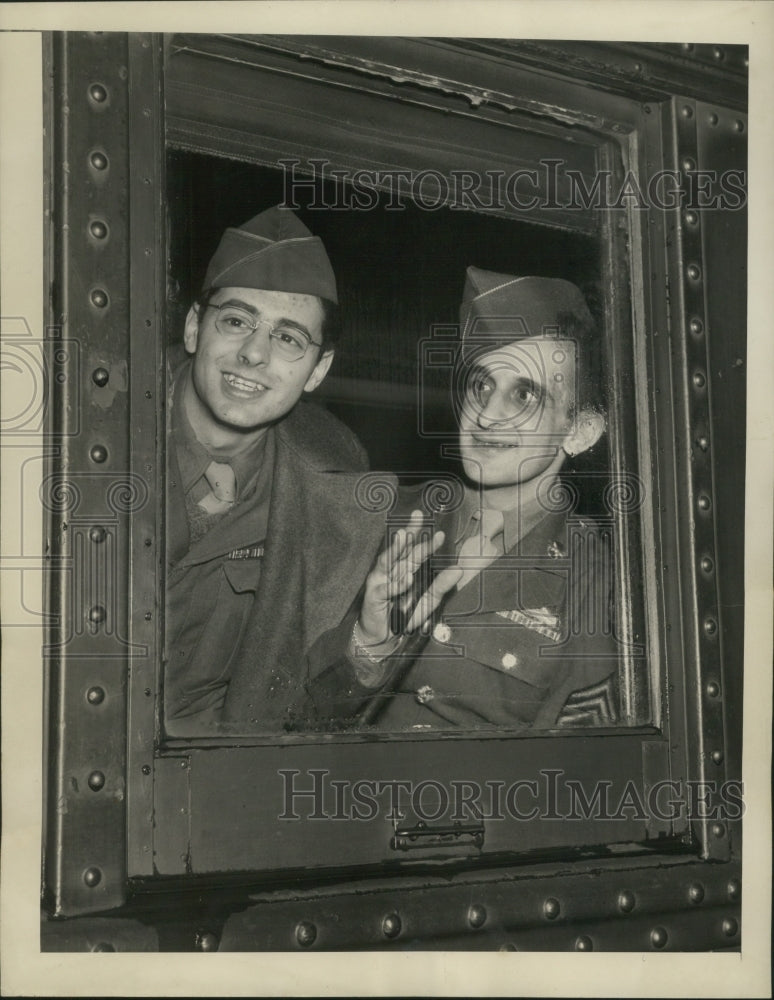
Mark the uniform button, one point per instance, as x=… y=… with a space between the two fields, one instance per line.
x=442 y=633
x=509 y=661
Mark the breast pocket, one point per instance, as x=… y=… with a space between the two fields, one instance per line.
x=512 y=649
x=213 y=603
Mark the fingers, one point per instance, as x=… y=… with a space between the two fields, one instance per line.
x=433 y=596
x=408 y=549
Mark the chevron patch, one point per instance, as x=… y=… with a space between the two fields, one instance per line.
x=592 y=706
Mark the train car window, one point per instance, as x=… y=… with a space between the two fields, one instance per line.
x=396 y=381
x=400 y=253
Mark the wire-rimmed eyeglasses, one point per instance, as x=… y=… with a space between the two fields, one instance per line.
x=290 y=342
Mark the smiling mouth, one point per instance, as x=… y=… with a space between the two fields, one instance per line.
x=492 y=443
x=243 y=384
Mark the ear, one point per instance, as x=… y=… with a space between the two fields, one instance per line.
x=588 y=428
x=319 y=371
x=191 y=333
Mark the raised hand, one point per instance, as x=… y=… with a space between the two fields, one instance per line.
x=391 y=582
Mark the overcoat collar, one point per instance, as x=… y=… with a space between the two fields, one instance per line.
x=320 y=545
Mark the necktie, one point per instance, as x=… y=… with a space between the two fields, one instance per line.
x=222 y=482
x=479 y=550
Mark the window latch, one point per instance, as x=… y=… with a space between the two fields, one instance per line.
x=453 y=835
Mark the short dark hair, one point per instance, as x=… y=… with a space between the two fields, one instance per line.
x=331 y=322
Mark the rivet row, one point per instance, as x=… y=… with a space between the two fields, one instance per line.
x=306 y=931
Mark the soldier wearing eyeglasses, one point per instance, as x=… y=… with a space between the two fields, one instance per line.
x=266 y=546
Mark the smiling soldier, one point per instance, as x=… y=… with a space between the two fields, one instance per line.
x=524 y=635
x=266 y=545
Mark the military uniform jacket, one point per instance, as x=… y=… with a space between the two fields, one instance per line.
x=527 y=643
x=248 y=637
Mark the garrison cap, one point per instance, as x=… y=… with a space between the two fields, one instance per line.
x=275 y=252
x=500 y=308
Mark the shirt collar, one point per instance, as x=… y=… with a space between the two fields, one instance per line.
x=518 y=522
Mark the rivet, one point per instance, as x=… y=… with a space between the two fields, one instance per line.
x=687 y=47
x=584 y=943
x=707 y=564
x=148 y=616
x=691 y=217
x=703 y=442
x=718 y=53
x=738 y=125
x=729 y=927
x=718 y=830
x=687 y=111
x=103 y=946
x=99 y=298
x=97 y=534
x=146 y=769
x=713 y=689
x=147 y=692
x=694 y=272
x=306 y=933
x=710 y=626
x=148 y=394
x=626 y=901
x=696 y=892
x=704 y=502
x=551 y=908
x=477 y=915
x=100 y=376
x=689 y=164
x=98 y=229
x=98 y=453
x=696 y=326
x=699 y=380
x=98 y=160
x=61 y=377
x=508 y=946
x=391 y=925
x=713 y=119
x=207 y=941
x=98 y=93
x=97 y=614
x=96 y=780
x=734 y=889
x=658 y=937
x=92 y=877
x=717 y=756
x=95 y=695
